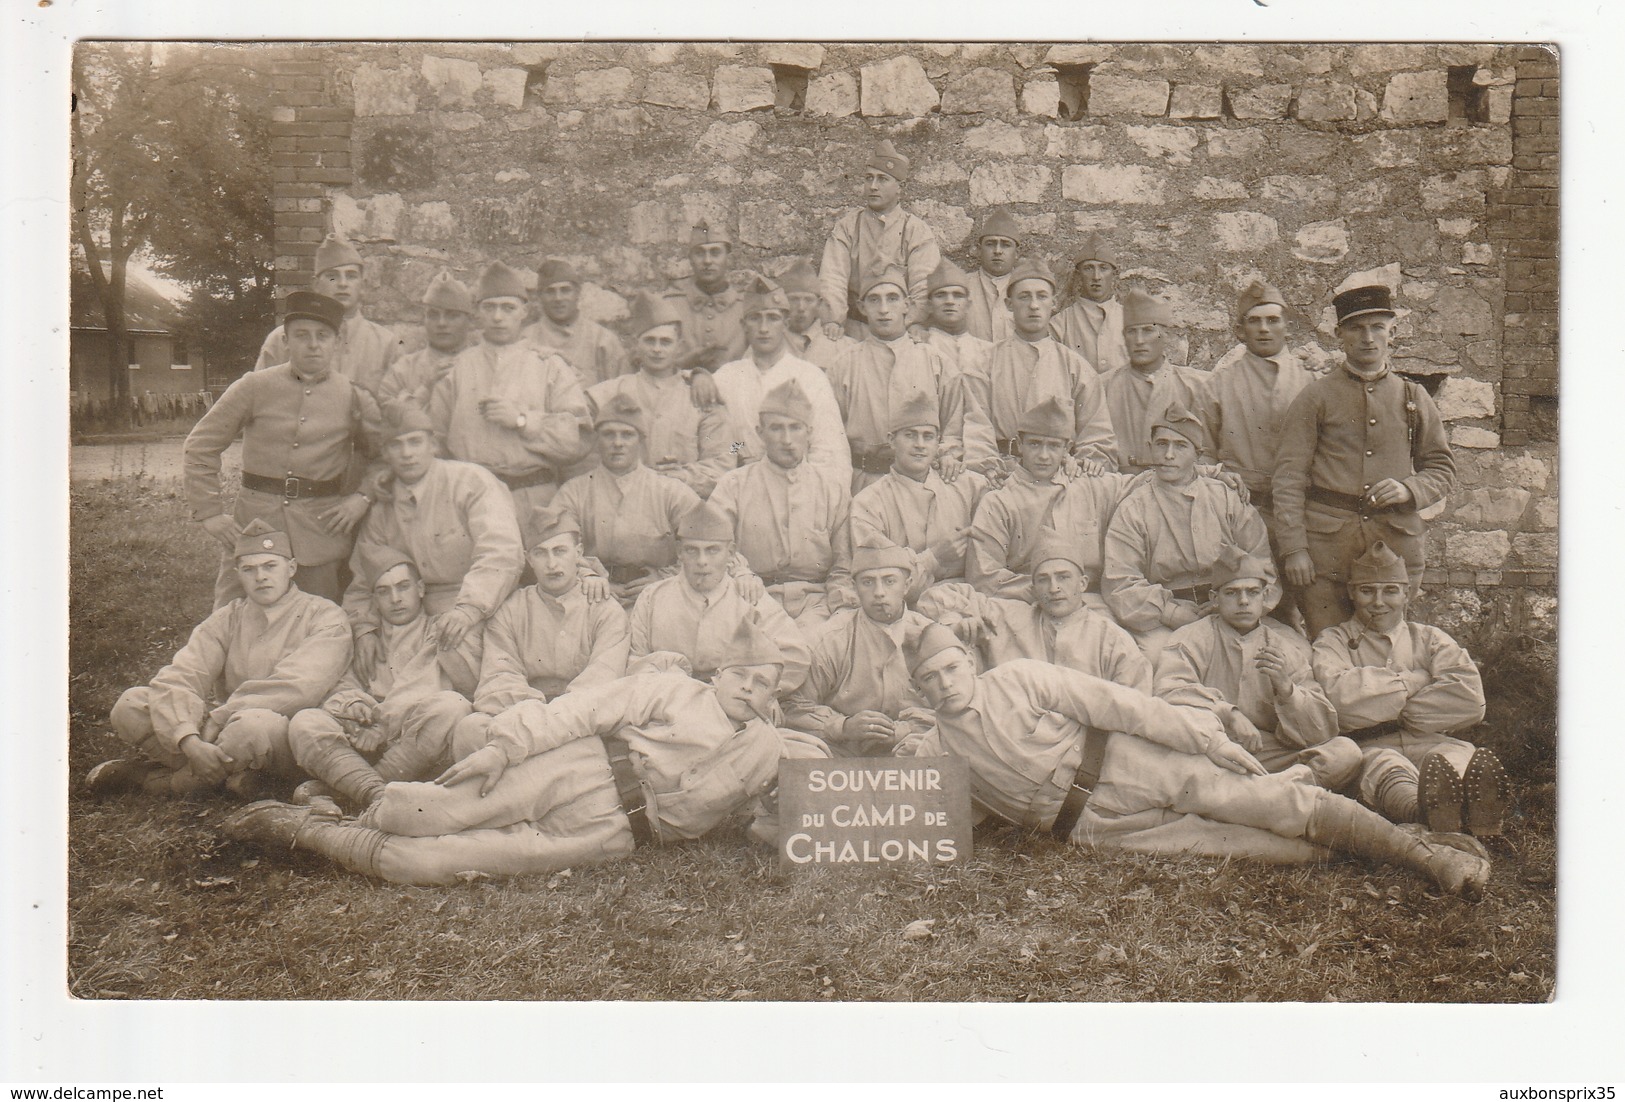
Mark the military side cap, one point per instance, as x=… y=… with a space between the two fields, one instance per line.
x=1140 y=308
x=1030 y=267
x=1052 y=545
x=500 y=281
x=1379 y=564
x=259 y=538
x=880 y=553
x=335 y=252
x=1176 y=418
x=764 y=294
x=621 y=409
x=750 y=646
x=649 y=310
x=1256 y=294
x=704 y=234
x=313 y=307
x=787 y=400
x=1358 y=301
x=1048 y=418
x=886 y=159
x=707 y=523
x=542 y=524
x=1096 y=247
x=1233 y=563
x=799 y=278
x=932 y=641
x=1000 y=223
x=378 y=559
x=947 y=274
x=449 y=293
x=404 y=416
x=876 y=276
x=556 y=271
x=919 y=408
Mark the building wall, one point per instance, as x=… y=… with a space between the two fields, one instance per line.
x=87 y=358
x=1430 y=167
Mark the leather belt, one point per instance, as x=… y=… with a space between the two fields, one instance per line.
x=628 y=788
x=1261 y=499
x=292 y=488
x=769 y=580
x=1083 y=782
x=875 y=460
x=1196 y=594
x=1352 y=503
x=539 y=477
x=1391 y=727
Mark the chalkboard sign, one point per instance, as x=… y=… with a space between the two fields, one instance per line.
x=873 y=811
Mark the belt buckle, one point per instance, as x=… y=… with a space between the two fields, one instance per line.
x=290 y=488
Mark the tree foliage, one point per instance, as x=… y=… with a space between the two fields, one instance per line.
x=172 y=162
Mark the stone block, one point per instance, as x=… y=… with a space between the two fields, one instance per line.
x=797 y=55
x=1077 y=53
x=1041 y=98
x=1172 y=143
x=1196 y=101
x=1485 y=146
x=980 y=91
x=1488 y=508
x=1008 y=182
x=511 y=176
x=1478 y=550
x=654 y=223
x=1298 y=191
x=725 y=50
x=1454 y=189
x=1386 y=149
x=951 y=224
x=1466 y=53
x=1152 y=57
x=1245 y=231
x=383 y=91
x=1455 y=227
x=1231 y=60
x=432 y=222
x=1460 y=310
x=728 y=140
x=1075 y=143
x=659 y=53
x=1528 y=471
x=995 y=137
x=1536 y=549
x=737 y=88
x=1546 y=513
x=535 y=53
x=672 y=88
x=897 y=86
x=1474 y=252
x=1111 y=184
x=1416 y=97
x=1265 y=101
x=833 y=94
x=1388 y=57
x=1235 y=143
x=1322 y=242
x=1211 y=187
x=506 y=87
x=453 y=80
x=619 y=121
x=1326 y=101
x=1498 y=104
x=458 y=121
x=1365 y=197
x=1468 y=436
x=603 y=85
x=1036 y=226
x=1027 y=56
x=768 y=225
x=1365 y=105
x=932 y=174
x=1116 y=95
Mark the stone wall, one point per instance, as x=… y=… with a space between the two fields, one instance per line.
x=1432 y=167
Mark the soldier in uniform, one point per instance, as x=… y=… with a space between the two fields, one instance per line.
x=1139 y=392
x=791 y=520
x=1092 y=324
x=448 y=316
x=595 y=352
x=969 y=356
x=808 y=338
x=998 y=247
x=687 y=440
x=878 y=235
x=653 y=758
x=1101 y=765
x=302 y=425
x=1406 y=693
x=1361 y=452
x=515 y=410
x=711 y=309
x=364 y=349
x=220 y=709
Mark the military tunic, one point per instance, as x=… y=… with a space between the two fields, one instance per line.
x=1094 y=330
x=628 y=522
x=414 y=376
x=816 y=348
x=917 y=515
x=872 y=378
x=970 y=356
x=709 y=321
x=1136 y=400
x=1021 y=374
x=698 y=439
x=672 y=615
x=989 y=316
x=365 y=352
x=590 y=348
x=743 y=385
x=857 y=665
x=863 y=241
x=1086 y=641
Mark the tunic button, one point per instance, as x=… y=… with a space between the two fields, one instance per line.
x=296 y=444
x=307 y=390
x=1373 y=420
x=1368 y=390
x=1368 y=453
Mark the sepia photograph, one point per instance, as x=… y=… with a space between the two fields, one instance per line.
x=797 y=521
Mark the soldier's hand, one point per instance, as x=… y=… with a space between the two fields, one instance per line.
x=341 y=519
x=367 y=738
x=949 y=466
x=207 y=760
x=1228 y=755
x=749 y=587
x=970 y=628
x=702 y=391
x=488 y=763
x=866 y=725
x=1390 y=492
x=1273 y=664
x=1085 y=467
x=1246 y=733
x=451 y=628
x=1233 y=480
x=1182 y=613
x=631 y=589
x=369 y=648
x=594 y=587
x=500 y=411
x=834 y=330
x=224 y=529
x=950 y=552
x=1299 y=568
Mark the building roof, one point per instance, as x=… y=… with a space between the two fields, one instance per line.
x=145 y=310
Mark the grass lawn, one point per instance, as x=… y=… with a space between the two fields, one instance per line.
x=161 y=906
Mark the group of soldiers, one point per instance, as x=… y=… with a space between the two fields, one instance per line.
x=89 y=414
x=533 y=596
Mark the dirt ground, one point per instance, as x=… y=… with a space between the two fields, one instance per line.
x=159 y=460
